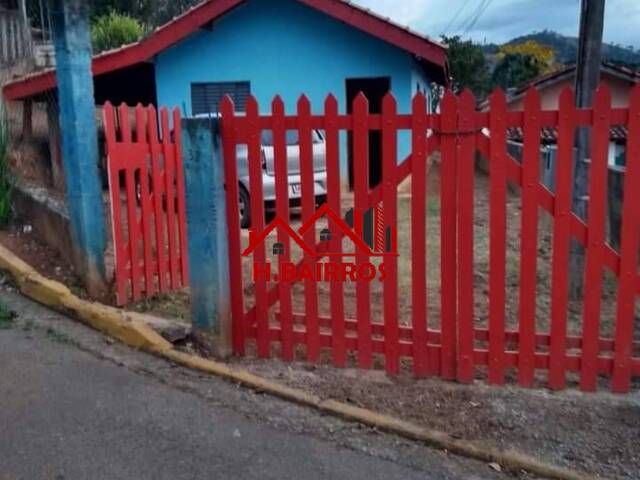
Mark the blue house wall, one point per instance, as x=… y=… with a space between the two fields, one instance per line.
x=285 y=48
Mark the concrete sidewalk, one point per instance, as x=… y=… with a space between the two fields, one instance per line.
x=75 y=406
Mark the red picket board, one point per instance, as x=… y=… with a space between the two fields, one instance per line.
x=390 y=202
x=594 y=264
x=529 y=238
x=448 y=254
x=497 y=238
x=560 y=259
x=114 y=191
x=334 y=200
x=239 y=330
x=181 y=200
x=145 y=204
x=308 y=209
x=282 y=210
x=630 y=237
x=257 y=226
x=169 y=200
x=158 y=192
x=466 y=174
x=131 y=203
x=361 y=190
x=419 y=319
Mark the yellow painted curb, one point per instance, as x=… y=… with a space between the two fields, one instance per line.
x=135 y=333
x=111 y=321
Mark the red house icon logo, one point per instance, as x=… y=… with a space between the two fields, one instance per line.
x=341 y=229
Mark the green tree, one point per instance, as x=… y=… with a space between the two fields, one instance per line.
x=544 y=56
x=468 y=66
x=516 y=69
x=114 y=30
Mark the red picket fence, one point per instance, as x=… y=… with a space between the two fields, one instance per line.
x=462 y=346
x=146 y=186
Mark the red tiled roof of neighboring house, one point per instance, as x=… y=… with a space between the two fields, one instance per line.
x=202 y=14
x=549 y=135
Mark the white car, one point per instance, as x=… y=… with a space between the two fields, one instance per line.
x=293 y=172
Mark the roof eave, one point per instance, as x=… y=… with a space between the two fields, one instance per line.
x=188 y=22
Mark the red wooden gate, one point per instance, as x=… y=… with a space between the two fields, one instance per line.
x=146 y=187
x=280 y=318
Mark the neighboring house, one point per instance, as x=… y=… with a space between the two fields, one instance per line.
x=620 y=81
x=266 y=48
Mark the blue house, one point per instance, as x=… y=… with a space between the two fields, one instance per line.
x=265 y=48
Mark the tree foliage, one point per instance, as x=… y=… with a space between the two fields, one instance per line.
x=516 y=69
x=468 y=66
x=544 y=56
x=566 y=48
x=114 y=30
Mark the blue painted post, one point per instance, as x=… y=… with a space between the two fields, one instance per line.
x=207 y=235
x=70 y=25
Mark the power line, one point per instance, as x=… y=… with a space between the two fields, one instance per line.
x=469 y=17
x=475 y=19
x=455 y=17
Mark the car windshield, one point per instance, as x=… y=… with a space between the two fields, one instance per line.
x=291 y=137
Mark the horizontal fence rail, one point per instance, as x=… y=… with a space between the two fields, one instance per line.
x=276 y=318
x=147 y=198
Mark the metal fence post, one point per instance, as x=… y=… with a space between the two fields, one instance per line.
x=207 y=235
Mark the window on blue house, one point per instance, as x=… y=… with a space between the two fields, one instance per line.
x=207 y=97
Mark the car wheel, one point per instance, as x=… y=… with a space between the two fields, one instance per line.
x=244 y=208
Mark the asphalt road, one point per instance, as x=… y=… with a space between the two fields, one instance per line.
x=68 y=411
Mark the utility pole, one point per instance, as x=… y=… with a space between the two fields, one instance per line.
x=70 y=22
x=587 y=79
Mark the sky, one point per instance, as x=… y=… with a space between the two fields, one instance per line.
x=502 y=20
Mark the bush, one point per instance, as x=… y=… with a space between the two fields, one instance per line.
x=6 y=183
x=114 y=30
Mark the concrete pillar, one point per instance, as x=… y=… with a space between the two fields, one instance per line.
x=208 y=235
x=70 y=23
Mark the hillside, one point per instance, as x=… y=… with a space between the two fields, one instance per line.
x=567 y=48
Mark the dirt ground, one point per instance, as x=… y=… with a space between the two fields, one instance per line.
x=594 y=433
x=20 y=239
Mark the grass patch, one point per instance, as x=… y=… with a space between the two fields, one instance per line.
x=58 y=337
x=6 y=317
